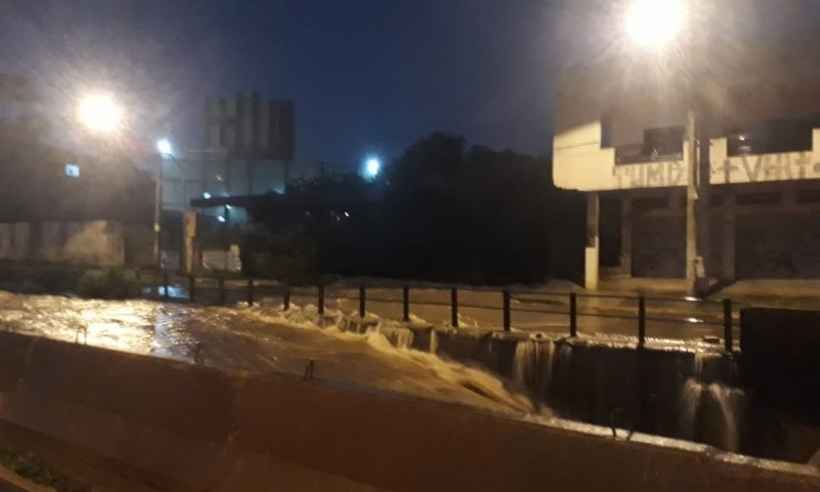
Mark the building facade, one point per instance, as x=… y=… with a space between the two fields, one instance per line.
x=248 y=151
x=628 y=133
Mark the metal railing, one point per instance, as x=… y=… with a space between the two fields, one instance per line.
x=532 y=301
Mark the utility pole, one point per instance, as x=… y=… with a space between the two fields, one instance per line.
x=158 y=213
x=698 y=176
x=692 y=257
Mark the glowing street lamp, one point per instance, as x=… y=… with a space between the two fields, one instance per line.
x=100 y=113
x=166 y=151
x=653 y=24
x=372 y=167
x=165 y=148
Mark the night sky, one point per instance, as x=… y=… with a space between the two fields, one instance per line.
x=367 y=76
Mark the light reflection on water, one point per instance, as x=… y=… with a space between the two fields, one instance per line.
x=256 y=341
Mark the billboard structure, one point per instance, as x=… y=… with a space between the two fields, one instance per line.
x=247 y=127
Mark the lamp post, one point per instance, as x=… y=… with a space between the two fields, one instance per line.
x=653 y=25
x=101 y=114
x=166 y=151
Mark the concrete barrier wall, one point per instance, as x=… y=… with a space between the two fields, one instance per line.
x=663 y=390
x=194 y=428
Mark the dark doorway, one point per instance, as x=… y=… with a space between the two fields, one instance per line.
x=610 y=232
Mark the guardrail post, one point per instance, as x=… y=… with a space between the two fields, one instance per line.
x=727 y=325
x=223 y=298
x=641 y=320
x=321 y=299
x=286 y=297
x=362 y=300
x=405 y=297
x=454 y=307
x=191 y=288
x=165 y=284
x=250 y=292
x=573 y=314
x=505 y=298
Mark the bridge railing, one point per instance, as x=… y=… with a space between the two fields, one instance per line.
x=568 y=307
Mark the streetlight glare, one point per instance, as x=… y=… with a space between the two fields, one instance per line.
x=164 y=147
x=372 y=167
x=653 y=24
x=100 y=113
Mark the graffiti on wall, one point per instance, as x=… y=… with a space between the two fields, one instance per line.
x=651 y=175
x=766 y=167
x=741 y=169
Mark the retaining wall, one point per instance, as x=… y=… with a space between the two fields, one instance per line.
x=193 y=428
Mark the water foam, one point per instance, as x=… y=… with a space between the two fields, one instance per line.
x=378 y=337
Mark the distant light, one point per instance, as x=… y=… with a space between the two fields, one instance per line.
x=219 y=177
x=228 y=207
x=372 y=167
x=221 y=218
x=742 y=138
x=165 y=148
x=100 y=113
x=653 y=24
x=206 y=195
x=72 y=170
x=347 y=214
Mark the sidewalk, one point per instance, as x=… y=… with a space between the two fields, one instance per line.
x=789 y=293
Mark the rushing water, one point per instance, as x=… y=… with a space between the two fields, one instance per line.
x=533 y=365
x=710 y=411
x=259 y=340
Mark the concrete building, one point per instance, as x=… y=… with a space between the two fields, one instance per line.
x=622 y=137
x=248 y=151
x=58 y=207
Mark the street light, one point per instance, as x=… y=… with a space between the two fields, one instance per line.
x=166 y=151
x=372 y=167
x=654 y=24
x=100 y=113
x=165 y=148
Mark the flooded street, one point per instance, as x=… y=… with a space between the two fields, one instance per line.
x=256 y=340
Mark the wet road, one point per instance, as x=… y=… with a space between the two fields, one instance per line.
x=256 y=340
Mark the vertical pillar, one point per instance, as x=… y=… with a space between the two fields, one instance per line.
x=591 y=251
x=690 y=153
x=704 y=175
x=188 y=234
x=728 y=232
x=626 y=234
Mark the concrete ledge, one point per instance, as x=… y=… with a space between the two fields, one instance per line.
x=215 y=431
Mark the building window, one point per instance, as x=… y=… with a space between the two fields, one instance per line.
x=659 y=144
x=774 y=137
